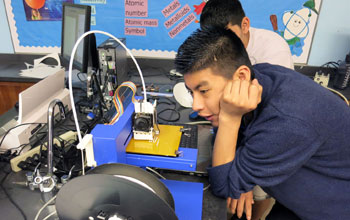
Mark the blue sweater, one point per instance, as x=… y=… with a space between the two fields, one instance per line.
x=296 y=147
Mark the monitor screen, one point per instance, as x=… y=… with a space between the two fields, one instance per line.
x=75 y=22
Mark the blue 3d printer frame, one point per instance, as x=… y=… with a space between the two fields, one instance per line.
x=109 y=146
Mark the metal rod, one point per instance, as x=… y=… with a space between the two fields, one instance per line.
x=50 y=126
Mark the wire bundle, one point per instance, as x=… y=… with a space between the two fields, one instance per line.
x=118 y=102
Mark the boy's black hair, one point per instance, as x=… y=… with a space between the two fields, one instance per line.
x=214 y=47
x=222 y=12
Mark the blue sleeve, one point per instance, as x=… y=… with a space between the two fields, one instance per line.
x=270 y=152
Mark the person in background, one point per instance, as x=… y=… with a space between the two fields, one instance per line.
x=276 y=129
x=263 y=46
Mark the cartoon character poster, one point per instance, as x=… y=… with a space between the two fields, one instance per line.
x=298 y=27
x=157 y=28
x=43 y=10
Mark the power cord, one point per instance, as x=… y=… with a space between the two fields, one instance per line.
x=21 y=147
x=43 y=207
x=171 y=109
x=206 y=187
x=339 y=94
x=8 y=195
x=8 y=131
x=320 y=77
x=49 y=215
x=7 y=156
x=81 y=80
x=155 y=172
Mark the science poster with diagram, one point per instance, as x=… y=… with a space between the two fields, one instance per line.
x=155 y=28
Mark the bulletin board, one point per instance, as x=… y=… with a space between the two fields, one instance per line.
x=154 y=28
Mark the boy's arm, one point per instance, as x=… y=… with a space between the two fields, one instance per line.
x=225 y=141
x=239 y=97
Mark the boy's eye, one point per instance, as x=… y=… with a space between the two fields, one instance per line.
x=203 y=91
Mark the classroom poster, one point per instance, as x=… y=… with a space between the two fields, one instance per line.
x=294 y=20
x=156 y=29
x=43 y=10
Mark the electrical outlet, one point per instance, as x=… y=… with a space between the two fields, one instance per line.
x=321 y=79
x=68 y=136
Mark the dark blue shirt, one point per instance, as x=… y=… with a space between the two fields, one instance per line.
x=296 y=147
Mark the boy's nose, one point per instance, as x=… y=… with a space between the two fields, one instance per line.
x=197 y=104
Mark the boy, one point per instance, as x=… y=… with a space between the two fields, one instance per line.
x=263 y=46
x=276 y=128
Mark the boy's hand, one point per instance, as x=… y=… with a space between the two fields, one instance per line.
x=239 y=97
x=243 y=204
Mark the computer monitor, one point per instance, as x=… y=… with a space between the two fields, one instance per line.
x=75 y=22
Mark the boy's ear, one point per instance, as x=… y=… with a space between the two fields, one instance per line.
x=245 y=25
x=242 y=73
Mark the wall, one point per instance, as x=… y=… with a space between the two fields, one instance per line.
x=331 y=40
x=5 y=38
x=332 y=37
